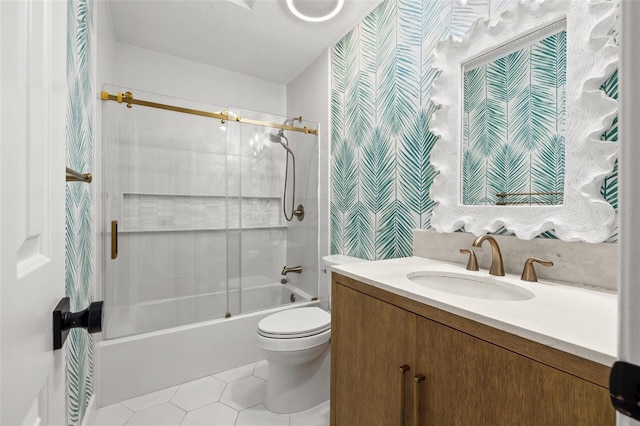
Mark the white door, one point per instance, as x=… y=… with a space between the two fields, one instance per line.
x=32 y=209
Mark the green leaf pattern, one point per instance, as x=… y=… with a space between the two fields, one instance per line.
x=547 y=173
x=380 y=136
x=515 y=118
x=416 y=171
x=473 y=174
x=507 y=172
x=79 y=257
x=609 y=189
x=380 y=109
x=344 y=183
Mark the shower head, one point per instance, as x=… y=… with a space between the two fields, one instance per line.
x=290 y=121
x=277 y=138
x=274 y=137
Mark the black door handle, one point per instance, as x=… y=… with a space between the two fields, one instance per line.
x=624 y=388
x=64 y=320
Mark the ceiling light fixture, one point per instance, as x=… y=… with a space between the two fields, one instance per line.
x=315 y=18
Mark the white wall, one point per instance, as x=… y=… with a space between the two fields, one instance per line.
x=308 y=95
x=151 y=71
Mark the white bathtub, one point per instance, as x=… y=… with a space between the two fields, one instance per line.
x=157 y=315
x=142 y=363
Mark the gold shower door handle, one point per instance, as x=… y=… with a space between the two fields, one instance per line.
x=419 y=378
x=403 y=369
x=114 y=239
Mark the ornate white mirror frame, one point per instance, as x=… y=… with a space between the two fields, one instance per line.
x=591 y=59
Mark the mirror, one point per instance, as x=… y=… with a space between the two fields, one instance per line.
x=519 y=123
x=514 y=122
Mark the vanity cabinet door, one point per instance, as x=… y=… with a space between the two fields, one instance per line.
x=469 y=381
x=370 y=341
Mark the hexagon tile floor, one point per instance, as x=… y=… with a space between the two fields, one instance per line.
x=230 y=398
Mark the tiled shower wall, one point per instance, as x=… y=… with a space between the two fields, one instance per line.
x=380 y=109
x=79 y=202
x=154 y=212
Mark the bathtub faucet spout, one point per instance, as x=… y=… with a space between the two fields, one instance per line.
x=296 y=269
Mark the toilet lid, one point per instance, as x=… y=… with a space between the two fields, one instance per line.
x=298 y=322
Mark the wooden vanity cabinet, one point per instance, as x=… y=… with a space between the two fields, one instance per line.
x=367 y=353
x=474 y=374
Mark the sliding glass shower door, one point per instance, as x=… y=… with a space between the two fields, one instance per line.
x=195 y=225
x=261 y=239
x=258 y=230
x=165 y=186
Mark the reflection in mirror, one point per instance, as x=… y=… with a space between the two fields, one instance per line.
x=514 y=121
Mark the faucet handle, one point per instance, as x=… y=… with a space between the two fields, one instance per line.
x=472 y=263
x=529 y=272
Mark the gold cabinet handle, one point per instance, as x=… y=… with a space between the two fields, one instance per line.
x=529 y=272
x=419 y=378
x=403 y=369
x=114 y=239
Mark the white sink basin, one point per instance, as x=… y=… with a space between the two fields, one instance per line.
x=470 y=285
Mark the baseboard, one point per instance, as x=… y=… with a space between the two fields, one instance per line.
x=91 y=412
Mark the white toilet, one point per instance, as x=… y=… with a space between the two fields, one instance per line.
x=295 y=343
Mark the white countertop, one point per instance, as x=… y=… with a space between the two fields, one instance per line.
x=573 y=319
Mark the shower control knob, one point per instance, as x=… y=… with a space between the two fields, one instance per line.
x=64 y=320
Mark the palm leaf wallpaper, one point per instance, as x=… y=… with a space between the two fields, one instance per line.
x=609 y=189
x=474 y=175
x=79 y=202
x=513 y=106
x=380 y=109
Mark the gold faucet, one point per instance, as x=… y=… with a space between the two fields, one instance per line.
x=296 y=269
x=497 y=267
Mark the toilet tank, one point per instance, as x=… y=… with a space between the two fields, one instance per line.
x=333 y=260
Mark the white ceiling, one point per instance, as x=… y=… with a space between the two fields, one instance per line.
x=266 y=41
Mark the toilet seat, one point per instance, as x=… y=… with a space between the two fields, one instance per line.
x=292 y=345
x=295 y=323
